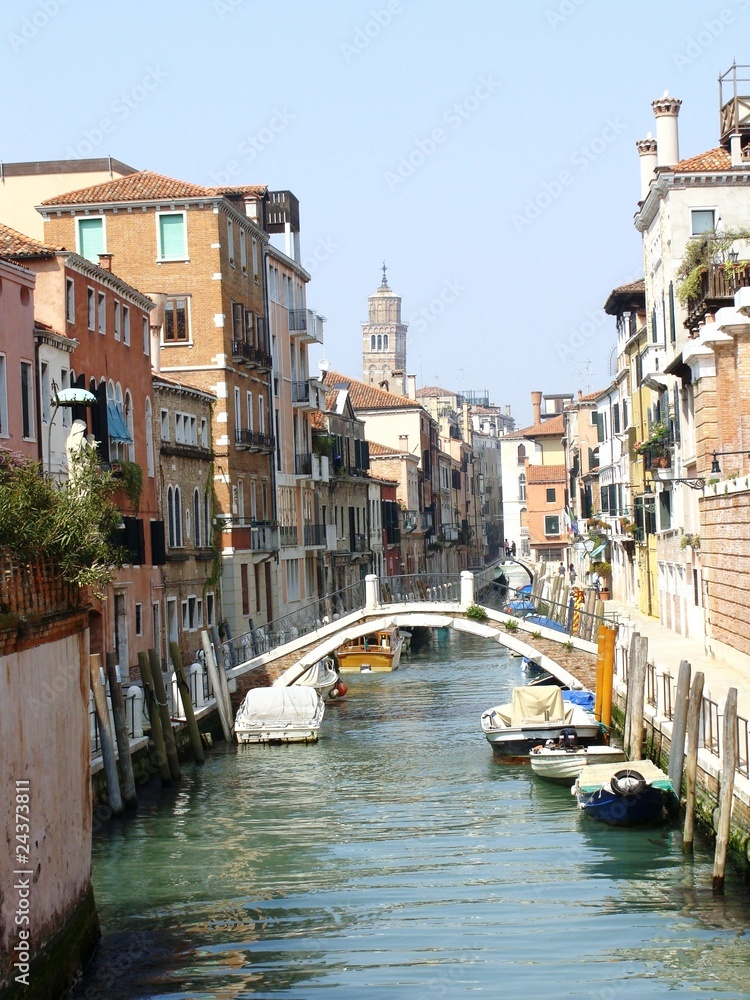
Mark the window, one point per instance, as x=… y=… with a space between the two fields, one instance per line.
x=146 y=334
x=27 y=400
x=126 y=326
x=209 y=609
x=204 y=433
x=237 y=412
x=165 y=425
x=243 y=251
x=256 y=273
x=3 y=396
x=130 y=445
x=172 y=241
x=249 y=411
x=245 y=587
x=174 y=517
x=230 y=241
x=91 y=238
x=91 y=308
x=702 y=220
x=116 y=319
x=44 y=389
x=616 y=418
x=292 y=579
x=138 y=619
x=521 y=454
x=101 y=309
x=551 y=494
x=261 y=416
x=522 y=486
x=149 y=439
x=551 y=524
x=70 y=301
x=665 y=510
x=176 y=320
x=197 y=516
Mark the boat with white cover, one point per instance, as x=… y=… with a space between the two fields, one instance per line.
x=564 y=764
x=534 y=715
x=279 y=715
x=322 y=676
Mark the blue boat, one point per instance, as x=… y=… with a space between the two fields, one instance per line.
x=630 y=795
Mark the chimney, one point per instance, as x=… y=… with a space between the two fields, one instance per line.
x=507 y=410
x=411 y=386
x=666 y=110
x=105 y=261
x=536 y=406
x=735 y=150
x=323 y=367
x=155 y=323
x=647 y=151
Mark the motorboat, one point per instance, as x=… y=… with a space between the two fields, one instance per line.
x=279 y=715
x=535 y=714
x=639 y=792
x=375 y=652
x=563 y=759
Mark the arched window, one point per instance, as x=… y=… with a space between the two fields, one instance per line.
x=206 y=519
x=380 y=343
x=521 y=454
x=170 y=517
x=149 y=439
x=372 y=342
x=524 y=523
x=522 y=486
x=197 y=517
x=177 y=518
x=385 y=341
x=130 y=447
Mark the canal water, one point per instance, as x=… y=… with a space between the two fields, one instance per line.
x=397 y=858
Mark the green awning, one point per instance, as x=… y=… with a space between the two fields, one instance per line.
x=598 y=550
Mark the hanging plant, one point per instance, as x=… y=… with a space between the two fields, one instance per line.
x=703 y=251
x=132 y=482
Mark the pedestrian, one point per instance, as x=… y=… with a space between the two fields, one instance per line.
x=513 y=550
x=507 y=549
x=572 y=574
x=561 y=569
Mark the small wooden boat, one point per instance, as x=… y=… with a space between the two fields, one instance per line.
x=637 y=793
x=534 y=715
x=376 y=652
x=279 y=715
x=564 y=763
x=321 y=675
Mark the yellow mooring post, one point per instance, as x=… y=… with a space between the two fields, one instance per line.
x=610 y=635
x=600 y=653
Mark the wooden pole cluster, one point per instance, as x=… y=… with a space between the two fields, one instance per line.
x=187 y=703
x=105 y=734
x=127 y=783
x=154 y=718
x=219 y=684
x=691 y=760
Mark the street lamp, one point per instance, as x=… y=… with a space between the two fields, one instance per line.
x=716 y=468
x=67 y=398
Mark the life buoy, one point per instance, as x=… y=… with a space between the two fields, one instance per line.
x=628 y=783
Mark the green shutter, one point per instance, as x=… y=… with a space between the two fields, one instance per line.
x=172 y=237
x=91 y=238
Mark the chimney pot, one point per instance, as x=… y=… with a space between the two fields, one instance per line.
x=666 y=111
x=536 y=406
x=105 y=261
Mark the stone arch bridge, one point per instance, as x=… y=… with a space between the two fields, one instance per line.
x=443 y=605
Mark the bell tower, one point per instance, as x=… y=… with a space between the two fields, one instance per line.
x=384 y=341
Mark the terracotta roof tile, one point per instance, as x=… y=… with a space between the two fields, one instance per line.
x=546 y=474
x=433 y=390
x=369 y=397
x=15 y=244
x=552 y=427
x=714 y=159
x=144 y=185
x=382 y=450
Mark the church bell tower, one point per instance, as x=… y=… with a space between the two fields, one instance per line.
x=384 y=341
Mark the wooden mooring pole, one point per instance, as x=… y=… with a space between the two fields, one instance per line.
x=155 y=719
x=225 y=713
x=691 y=760
x=166 y=720
x=679 y=727
x=105 y=734
x=187 y=702
x=129 y=797
x=728 y=765
x=637 y=681
x=629 y=689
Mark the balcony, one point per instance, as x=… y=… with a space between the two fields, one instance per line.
x=303 y=465
x=358 y=543
x=307 y=325
x=300 y=393
x=314 y=535
x=409 y=520
x=243 y=534
x=427 y=520
x=250 y=355
x=289 y=535
x=239 y=348
x=716 y=291
x=450 y=533
x=254 y=440
x=320 y=469
x=264 y=538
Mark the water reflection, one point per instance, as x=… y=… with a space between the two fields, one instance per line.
x=399 y=855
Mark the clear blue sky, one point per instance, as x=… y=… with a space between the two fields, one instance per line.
x=483 y=106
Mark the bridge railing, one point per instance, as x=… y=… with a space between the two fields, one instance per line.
x=313 y=616
x=426 y=587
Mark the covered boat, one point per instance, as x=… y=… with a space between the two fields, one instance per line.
x=534 y=715
x=564 y=759
x=322 y=676
x=279 y=715
x=636 y=793
x=377 y=651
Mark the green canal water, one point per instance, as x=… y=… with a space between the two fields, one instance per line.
x=397 y=858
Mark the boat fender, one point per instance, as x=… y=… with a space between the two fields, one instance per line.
x=537 y=748
x=342 y=688
x=628 y=783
